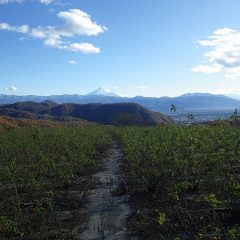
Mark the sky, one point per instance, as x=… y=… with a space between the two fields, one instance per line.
x=132 y=47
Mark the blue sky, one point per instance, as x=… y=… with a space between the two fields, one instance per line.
x=137 y=47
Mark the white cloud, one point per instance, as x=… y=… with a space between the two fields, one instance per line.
x=72 y=62
x=11 y=88
x=76 y=23
x=223 y=55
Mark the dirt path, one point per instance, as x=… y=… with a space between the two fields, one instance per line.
x=107 y=207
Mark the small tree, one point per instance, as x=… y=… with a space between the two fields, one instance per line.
x=235 y=117
x=189 y=115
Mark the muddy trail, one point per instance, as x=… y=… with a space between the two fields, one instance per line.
x=107 y=207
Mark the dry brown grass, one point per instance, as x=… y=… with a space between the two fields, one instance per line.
x=7 y=123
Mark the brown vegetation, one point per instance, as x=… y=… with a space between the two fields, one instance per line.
x=7 y=123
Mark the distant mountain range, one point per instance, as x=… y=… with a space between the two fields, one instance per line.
x=162 y=104
x=110 y=114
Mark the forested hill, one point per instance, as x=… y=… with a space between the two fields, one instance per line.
x=110 y=114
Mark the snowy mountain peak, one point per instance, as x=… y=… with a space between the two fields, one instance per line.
x=102 y=92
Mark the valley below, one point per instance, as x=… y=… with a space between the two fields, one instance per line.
x=203 y=115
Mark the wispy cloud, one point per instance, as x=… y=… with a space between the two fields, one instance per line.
x=19 y=29
x=72 y=62
x=85 y=48
x=76 y=23
x=11 y=88
x=51 y=10
x=10 y=1
x=215 y=68
x=21 y=1
x=224 y=53
x=142 y=88
x=46 y=1
x=225 y=92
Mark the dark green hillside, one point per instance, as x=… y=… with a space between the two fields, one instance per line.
x=118 y=114
x=110 y=114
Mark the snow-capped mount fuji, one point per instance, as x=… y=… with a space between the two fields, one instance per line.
x=102 y=92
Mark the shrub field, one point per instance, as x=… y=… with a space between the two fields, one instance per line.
x=184 y=182
x=38 y=168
